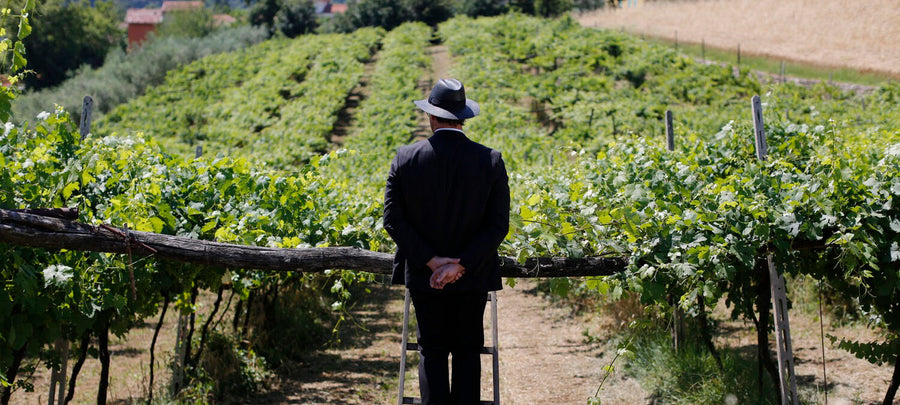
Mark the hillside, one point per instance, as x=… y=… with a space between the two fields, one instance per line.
x=287 y=144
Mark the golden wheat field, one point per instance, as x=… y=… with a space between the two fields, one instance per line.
x=863 y=35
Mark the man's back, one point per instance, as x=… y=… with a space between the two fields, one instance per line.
x=453 y=194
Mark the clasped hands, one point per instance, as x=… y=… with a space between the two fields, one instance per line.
x=444 y=270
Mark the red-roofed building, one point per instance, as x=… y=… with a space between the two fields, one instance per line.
x=337 y=8
x=141 y=22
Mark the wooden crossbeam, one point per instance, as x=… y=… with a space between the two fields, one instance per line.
x=40 y=231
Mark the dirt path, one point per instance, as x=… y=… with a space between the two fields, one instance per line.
x=545 y=358
x=834 y=33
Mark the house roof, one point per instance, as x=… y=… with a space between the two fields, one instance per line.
x=143 y=16
x=336 y=8
x=173 y=5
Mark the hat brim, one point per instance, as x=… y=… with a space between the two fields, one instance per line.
x=471 y=109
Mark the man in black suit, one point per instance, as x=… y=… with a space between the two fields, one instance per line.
x=446 y=206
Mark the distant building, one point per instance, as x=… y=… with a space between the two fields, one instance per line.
x=326 y=8
x=142 y=21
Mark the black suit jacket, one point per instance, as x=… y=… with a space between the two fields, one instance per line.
x=447 y=196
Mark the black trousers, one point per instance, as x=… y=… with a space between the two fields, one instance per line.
x=450 y=323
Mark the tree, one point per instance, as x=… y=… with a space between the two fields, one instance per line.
x=430 y=12
x=71 y=34
x=296 y=17
x=187 y=24
x=543 y=8
x=474 y=8
x=551 y=8
x=289 y=17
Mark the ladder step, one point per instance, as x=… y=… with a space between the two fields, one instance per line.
x=414 y=347
x=412 y=400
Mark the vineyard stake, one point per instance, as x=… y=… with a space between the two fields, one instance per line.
x=670 y=132
x=677 y=314
x=58 y=375
x=61 y=346
x=786 y=374
x=87 y=107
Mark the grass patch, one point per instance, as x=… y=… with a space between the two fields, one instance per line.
x=772 y=65
x=691 y=376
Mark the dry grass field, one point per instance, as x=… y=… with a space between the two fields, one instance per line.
x=861 y=35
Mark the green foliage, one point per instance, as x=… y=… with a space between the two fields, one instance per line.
x=129 y=181
x=474 y=8
x=576 y=113
x=12 y=53
x=125 y=76
x=296 y=17
x=71 y=34
x=370 y=13
x=552 y=8
x=187 y=24
x=234 y=373
x=579 y=132
x=288 y=17
x=430 y=12
x=690 y=375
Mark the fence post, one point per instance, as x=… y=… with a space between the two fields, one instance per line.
x=788 y=386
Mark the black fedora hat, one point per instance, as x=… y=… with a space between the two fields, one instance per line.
x=448 y=100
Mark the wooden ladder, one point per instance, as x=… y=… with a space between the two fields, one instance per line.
x=406 y=345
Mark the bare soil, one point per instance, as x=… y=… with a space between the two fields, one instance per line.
x=834 y=33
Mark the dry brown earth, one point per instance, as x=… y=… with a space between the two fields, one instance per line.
x=861 y=35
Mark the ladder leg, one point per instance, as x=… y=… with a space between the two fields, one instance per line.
x=403 y=341
x=496 y=351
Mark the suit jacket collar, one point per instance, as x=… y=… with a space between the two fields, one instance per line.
x=449 y=130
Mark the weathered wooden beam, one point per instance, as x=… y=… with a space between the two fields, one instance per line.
x=37 y=231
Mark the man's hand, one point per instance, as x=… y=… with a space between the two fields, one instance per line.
x=437 y=261
x=446 y=274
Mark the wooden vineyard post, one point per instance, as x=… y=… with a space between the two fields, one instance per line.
x=58 y=375
x=788 y=380
x=670 y=132
x=178 y=372
x=87 y=108
x=57 y=393
x=677 y=314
